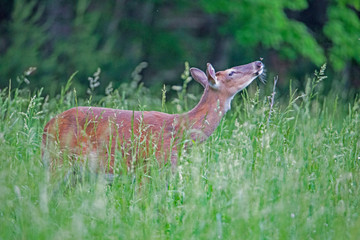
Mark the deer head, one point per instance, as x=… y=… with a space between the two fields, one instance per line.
x=230 y=81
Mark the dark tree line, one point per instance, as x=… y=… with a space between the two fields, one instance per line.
x=61 y=37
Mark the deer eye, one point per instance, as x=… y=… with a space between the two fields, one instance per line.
x=231 y=73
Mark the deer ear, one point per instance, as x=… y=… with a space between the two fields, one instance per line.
x=199 y=76
x=210 y=72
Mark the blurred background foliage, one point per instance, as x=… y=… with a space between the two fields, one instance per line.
x=60 y=37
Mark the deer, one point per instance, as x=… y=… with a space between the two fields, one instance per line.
x=97 y=133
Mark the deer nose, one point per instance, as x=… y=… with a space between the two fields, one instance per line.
x=259 y=65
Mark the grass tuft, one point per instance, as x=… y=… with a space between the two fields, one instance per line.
x=284 y=169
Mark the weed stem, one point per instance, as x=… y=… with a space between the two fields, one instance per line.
x=276 y=78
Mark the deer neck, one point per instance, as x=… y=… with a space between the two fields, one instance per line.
x=203 y=119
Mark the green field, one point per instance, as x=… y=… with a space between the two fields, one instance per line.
x=290 y=170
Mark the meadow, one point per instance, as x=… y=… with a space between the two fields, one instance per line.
x=277 y=167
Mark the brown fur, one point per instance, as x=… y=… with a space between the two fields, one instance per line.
x=98 y=132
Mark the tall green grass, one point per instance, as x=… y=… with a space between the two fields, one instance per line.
x=292 y=173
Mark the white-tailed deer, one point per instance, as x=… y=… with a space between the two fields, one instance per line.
x=96 y=133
